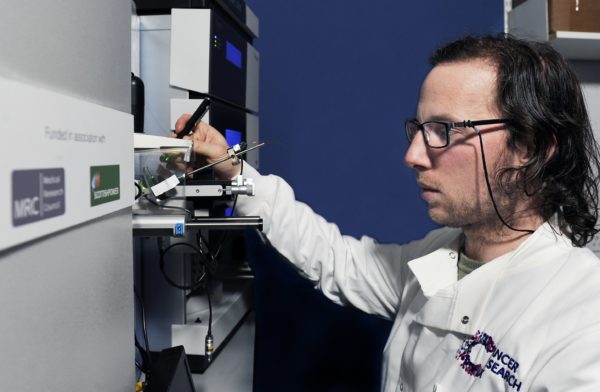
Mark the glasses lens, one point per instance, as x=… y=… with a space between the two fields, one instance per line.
x=411 y=129
x=435 y=134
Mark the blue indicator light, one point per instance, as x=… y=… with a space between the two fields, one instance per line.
x=233 y=55
x=233 y=137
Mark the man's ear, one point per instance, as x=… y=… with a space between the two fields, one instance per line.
x=552 y=149
x=524 y=153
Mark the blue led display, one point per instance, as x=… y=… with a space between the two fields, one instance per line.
x=233 y=137
x=233 y=55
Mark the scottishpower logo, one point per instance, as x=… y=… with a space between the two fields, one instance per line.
x=104 y=184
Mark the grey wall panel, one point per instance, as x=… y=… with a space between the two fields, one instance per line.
x=589 y=75
x=66 y=301
x=72 y=46
x=66 y=310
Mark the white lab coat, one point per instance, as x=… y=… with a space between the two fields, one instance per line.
x=530 y=318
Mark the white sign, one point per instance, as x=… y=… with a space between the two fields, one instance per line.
x=56 y=151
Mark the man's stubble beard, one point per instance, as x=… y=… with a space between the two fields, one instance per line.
x=479 y=212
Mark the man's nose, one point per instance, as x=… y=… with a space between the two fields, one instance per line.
x=417 y=156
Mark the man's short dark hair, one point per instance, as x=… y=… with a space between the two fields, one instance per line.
x=541 y=95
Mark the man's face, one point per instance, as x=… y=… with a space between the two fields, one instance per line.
x=452 y=178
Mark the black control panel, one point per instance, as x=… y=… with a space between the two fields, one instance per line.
x=230 y=9
x=227 y=77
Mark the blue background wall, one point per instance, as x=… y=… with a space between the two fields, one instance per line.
x=338 y=79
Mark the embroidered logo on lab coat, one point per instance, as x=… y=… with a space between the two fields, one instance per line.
x=500 y=363
x=464 y=352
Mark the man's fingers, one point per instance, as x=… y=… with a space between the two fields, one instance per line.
x=204 y=143
x=202 y=128
x=181 y=121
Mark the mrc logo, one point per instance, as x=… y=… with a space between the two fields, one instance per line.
x=37 y=194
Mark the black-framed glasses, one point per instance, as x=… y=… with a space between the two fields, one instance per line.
x=437 y=133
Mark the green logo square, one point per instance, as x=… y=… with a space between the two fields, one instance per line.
x=104 y=184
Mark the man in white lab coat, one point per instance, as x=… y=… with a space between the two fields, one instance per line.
x=505 y=297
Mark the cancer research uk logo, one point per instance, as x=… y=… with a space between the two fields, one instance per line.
x=500 y=363
x=104 y=184
x=37 y=194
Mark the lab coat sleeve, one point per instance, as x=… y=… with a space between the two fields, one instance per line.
x=362 y=273
x=575 y=365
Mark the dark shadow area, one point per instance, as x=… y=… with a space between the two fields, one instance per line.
x=305 y=342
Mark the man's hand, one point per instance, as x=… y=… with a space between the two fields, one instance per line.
x=210 y=145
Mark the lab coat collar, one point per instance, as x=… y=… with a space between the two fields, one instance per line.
x=465 y=306
x=438 y=269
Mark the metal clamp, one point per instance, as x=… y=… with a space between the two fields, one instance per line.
x=241 y=186
x=233 y=154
